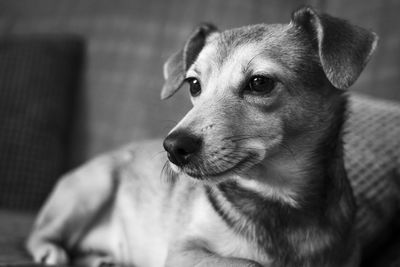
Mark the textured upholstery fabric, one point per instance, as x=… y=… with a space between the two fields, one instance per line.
x=38 y=76
x=372 y=157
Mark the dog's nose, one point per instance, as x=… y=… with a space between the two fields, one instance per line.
x=180 y=146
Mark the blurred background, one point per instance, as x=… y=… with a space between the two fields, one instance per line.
x=81 y=77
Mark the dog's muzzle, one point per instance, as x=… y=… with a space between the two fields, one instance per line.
x=181 y=147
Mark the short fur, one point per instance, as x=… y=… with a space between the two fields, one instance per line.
x=264 y=183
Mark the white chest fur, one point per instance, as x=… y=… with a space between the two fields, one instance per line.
x=221 y=239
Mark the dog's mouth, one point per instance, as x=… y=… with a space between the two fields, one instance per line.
x=204 y=170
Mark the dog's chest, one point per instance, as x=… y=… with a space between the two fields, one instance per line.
x=207 y=225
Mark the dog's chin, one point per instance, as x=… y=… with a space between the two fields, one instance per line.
x=213 y=173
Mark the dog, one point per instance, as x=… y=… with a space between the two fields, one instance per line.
x=254 y=173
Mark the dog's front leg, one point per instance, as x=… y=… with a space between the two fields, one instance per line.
x=73 y=206
x=196 y=255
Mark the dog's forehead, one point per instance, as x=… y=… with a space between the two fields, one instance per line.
x=280 y=43
x=263 y=35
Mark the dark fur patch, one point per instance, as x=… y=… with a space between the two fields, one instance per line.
x=231 y=222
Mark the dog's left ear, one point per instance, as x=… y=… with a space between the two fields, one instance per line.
x=343 y=49
x=176 y=65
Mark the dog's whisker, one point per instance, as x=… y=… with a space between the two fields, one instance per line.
x=158 y=154
x=167 y=173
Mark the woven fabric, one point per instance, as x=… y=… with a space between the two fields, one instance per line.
x=372 y=158
x=37 y=78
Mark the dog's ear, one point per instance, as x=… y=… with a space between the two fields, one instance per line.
x=343 y=49
x=176 y=65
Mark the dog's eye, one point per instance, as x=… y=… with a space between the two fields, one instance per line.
x=194 y=86
x=261 y=85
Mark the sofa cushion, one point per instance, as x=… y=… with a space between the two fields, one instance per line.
x=372 y=158
x=38 y=77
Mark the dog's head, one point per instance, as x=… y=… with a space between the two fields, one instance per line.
x=261 y=90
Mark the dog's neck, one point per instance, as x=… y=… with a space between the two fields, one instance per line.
x=302 y=200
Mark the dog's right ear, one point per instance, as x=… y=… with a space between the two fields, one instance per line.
x=176 y=65
x=344 y=49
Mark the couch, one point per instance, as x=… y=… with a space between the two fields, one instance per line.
x=85 y=77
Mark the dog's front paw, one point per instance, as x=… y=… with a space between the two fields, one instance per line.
x=49 y=254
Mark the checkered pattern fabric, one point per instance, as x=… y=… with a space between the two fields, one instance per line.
x=37 y=78
x=372 y=158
